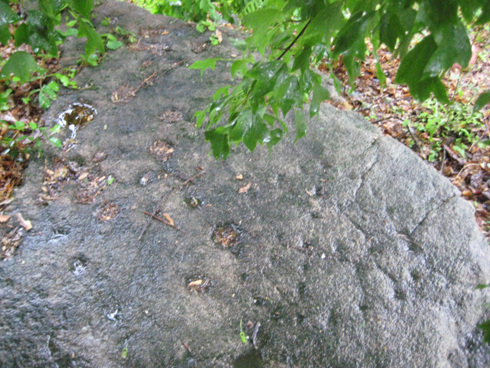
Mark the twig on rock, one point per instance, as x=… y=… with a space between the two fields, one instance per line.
x=192 y=178
x=161 y=220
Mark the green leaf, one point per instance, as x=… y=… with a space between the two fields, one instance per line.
x=266 y=75
x=19 y=125
x=438 y=88
x=325 y=23
x=205 y=64
x=55 y=129
x=260 y=20
x=7 y=15
x=484 y=144
x=380 y=74
x=92 y=59
x=460 y=150
x=114 y=45
x=469 y=9
x=39 y=32
x=308 y=79
x=21 y=64
x=94 y=41
x=275 y=137
x=47 y=94
x=287 y=93
x=390 y=29
x=302 y=61
x=21 y=34
x=421 y=90
x=220 y=92
x=5 y=35
x=243 y=337
x=300 y=125
x=63 y=79
x=437 y=13
x=70 y=32
x=124 y=353
x=453 y=46
x=485 y=15
x=47 y=7
x=485 y=326
x=55 y=142
x=200 y=115
x=240 y=67
x=320 y=94
x=250 y=129
x=414 y=63
x=482 y=100
x=482 y=286
x=54 y=86
x=83 y=7
x=220 y=144
x=350 y=41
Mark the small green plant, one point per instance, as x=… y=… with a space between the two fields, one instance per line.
x=456 y=122
x=39 y=29
x=243 y=336
x=12 y=144
x=485 y=326
x=153 y=6
x=4 y=105
x=204 y=25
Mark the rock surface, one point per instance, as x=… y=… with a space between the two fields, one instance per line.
x=343 y=250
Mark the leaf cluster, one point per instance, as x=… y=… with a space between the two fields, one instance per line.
x=38 y=27
x=287 y=37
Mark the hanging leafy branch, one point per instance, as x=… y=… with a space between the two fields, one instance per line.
x=429 y=36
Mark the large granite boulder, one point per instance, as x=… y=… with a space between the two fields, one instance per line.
x=343 y=250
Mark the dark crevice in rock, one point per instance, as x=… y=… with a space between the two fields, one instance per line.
x=371 y=166
x=437 y=208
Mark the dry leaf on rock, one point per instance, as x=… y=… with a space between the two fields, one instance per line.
x=196 y=283
x=245 y=188
x=27 y=225
x=219 y=36
x=4 y=218
x=161 y=150
x=123 y=94
x=169 y=219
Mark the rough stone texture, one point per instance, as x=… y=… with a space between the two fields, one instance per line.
x=352 y=252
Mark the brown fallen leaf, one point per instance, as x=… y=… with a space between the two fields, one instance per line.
x=219 y=36
x=4 y=218
x=27 y=225
x=169 y=219
x=195 y=283
x=239 y=177
x=245 y=188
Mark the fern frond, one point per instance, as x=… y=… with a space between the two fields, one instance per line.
x=252 y=6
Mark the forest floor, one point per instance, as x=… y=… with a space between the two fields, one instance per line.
x=453 y=138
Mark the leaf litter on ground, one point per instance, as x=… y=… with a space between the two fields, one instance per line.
x=452 y=138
